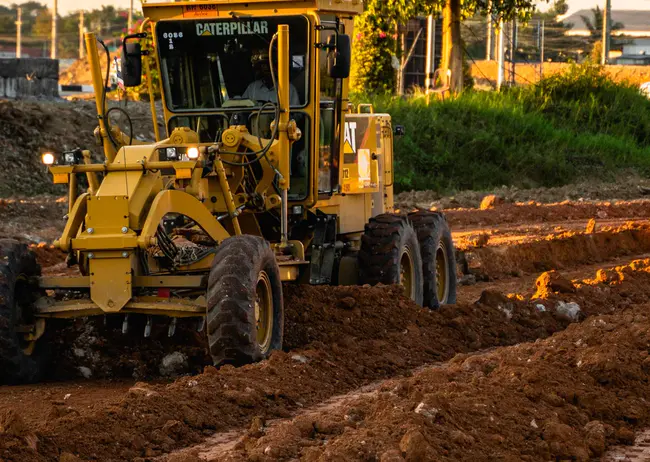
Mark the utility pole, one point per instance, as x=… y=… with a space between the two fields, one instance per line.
x=500 y=56
x=55 y=12
x=490 y=33
x=19 y=32
x=607 y=30
x=431 y=53
x=513 y=52
x=81 y=34
x=541 y=51
x=130 y=24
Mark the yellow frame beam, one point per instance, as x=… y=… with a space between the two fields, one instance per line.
x=172 y=201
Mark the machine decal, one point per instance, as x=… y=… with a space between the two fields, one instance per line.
x=197 y=11
x=364 y=168
x=350 y=145
x=171 y=36
x=232 y=28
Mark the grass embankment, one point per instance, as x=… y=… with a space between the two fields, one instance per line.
x=577 y=126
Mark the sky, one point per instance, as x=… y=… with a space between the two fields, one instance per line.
x=66 y=6
x=576 y=5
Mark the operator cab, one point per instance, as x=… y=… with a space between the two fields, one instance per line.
x=222 y=72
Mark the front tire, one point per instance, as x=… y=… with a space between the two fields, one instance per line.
x=20 y=361
x=245 y=315
x=390 y=254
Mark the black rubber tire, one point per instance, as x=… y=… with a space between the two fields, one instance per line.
x=232 y=331
x=433 y=231
x=18 y=291
x=382 y=245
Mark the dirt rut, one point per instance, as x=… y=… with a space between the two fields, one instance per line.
x=562 y=251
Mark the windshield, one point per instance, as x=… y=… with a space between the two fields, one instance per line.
x=211 y=64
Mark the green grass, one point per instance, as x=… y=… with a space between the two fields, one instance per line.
x=569 y=128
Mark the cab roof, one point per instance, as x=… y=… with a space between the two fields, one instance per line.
x=158 y=9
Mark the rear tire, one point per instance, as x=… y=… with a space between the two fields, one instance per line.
x=18 y=292
x=245 y=317
x=438 y=258
x=390 y=254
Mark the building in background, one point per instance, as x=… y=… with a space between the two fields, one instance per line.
x=630 y=36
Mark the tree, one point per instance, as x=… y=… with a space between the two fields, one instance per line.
x=452 y=46
x=595 y=26
x=7 y=20
x=452 y=53
x=377 y=32
x=376 y=41
x=560 y=7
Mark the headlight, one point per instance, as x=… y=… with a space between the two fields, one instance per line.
x=48 y=158
x=171 y=154
x=193 y=153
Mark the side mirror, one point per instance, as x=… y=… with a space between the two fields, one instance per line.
x=400 y=130
x=132 y=61
x=338 y=58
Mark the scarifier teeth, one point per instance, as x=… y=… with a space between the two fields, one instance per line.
x=125 y=324
x=201 y=324
x=147 y=328
x=172 y=328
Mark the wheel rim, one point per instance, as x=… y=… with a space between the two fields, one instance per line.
x=264 y=311
x=442 y=274
x=407 y=273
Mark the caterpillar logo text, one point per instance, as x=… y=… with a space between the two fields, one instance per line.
x=232 y=28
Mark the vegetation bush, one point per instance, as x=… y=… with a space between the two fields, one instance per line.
x=569 y=128
x=586 y=99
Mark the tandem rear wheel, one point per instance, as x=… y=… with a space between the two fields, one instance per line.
x=416 y=252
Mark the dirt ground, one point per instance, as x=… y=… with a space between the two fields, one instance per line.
x=544 y=357
x=625 y=187
x=514 y=371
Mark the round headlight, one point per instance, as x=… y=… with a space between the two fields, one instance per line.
x=48 y=158
x=193 y=153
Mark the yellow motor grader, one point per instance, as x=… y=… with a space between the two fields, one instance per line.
x=265 y=174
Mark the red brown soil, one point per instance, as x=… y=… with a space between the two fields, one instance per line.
x=342 y=348
x=626 y=186
x=351 y=340
x=557 y=252
x=335 y=348
x=534 y=212
x=564 y=398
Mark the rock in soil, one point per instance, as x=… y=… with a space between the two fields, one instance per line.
x=174 y=364
x=490 y=202
x=553 y=282
x=591 y=226
x=570 y=310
